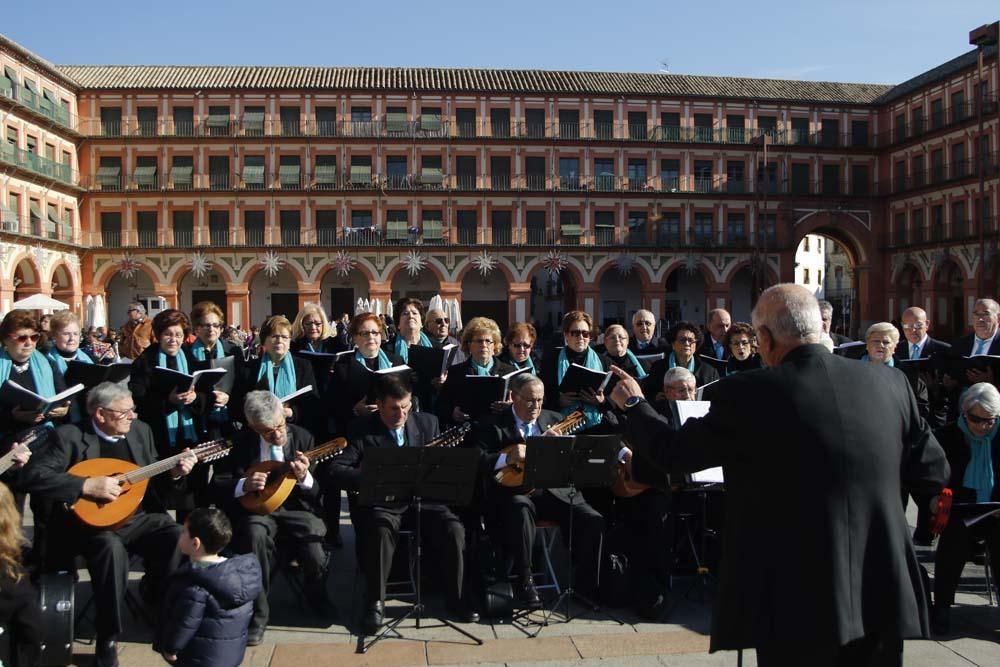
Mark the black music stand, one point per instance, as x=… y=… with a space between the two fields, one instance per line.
x=581 y=461
x=410 y=475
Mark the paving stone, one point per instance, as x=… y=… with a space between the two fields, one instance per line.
x=385 y=654
x=506 y=650
x=607 y=646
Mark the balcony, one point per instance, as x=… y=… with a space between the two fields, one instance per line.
x=941 y=174
x=37 y=104
x=945 y=119
x=38 y=165
x=34 y=227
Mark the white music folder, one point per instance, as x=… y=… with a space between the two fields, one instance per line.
x=687 y=410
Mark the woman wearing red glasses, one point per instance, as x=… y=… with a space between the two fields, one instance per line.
x=22 y=363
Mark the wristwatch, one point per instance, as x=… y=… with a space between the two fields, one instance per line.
x=632 y=401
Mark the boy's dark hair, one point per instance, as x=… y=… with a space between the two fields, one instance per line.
x=393 y=385
x=212 y=527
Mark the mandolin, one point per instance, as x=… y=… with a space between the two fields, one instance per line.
x=133 y=481
x=512 y=474
x=451 y=437
x=281 y=481
x=7 y=460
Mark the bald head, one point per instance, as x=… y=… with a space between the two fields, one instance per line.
x=786 y=317
x=914 y=324
x=643 y=325
x=719 y=322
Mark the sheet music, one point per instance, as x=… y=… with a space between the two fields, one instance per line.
x=687 y=410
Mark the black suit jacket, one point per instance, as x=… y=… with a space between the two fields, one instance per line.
x=369 y=432
x=499 y=431
x=657 y=346
x=349 y=384
x=153 y=406
x=933 y=345
x=965 y=345
x=307 y=410
x=46 y=473
x=708 y=349
x=452 y=388
x=246 y=451
x=818 y=482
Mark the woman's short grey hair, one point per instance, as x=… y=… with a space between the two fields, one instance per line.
x=677 y=373
x=985 y=396
x=104 y=394
x=262 y=408
x=519 y=383
x=137 y=306
x=882 y=328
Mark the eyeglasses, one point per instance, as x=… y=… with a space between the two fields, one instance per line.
x=643 y=323
x=211 y=325
x=311 y=323
x=916 y=326
x=982 y=421
x=483 y=341
x=530 y=401
x=24 y=338
x=277 y=338
x=741 y=343
x=618 y=337
x=121 y=414
x=521 y=346
x=172 y=336
x=981 y=315
x=686 y=341
x=369 y=332
x=270 y=433
x=579 y=333
x=441 y=320
x=133 y=310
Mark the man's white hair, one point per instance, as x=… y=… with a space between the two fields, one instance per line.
x=262 y=408
x=790 y=312
x=677 y=373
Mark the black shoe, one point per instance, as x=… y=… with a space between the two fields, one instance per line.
x=106 y=653
x=940 y=620
x=462 y=614
x=653 y=610
x=255 y=636
x=528 y=594
x=373 y=618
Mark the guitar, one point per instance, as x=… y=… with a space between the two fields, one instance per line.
x=512 y=474
x=133 y=481
x=7 y=460
x=624 y=486
x=280 y=480
x=451 y=437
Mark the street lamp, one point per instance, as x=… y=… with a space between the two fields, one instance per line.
x=981 y=37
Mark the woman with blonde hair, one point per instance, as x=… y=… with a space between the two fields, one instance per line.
x=311 y=331
x=20 y=614
x=481 y=341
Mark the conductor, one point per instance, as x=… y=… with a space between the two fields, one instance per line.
x=817 y=565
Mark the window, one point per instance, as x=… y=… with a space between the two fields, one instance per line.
x=900 y=131
x=819 y=277
x=290 y=121
x=396 y=226
x=670 y=174
x=465 y=120
x=703 y=125
x=182 y=172
x=958 y=221
x=500 y=123
x=465 y=172
x=800 y=131
x=31 y=144
x=900 y=181
x=831 y=179
x=430 y=121
x=218 y=228
x=52 y=221
x=109 y=173
x=937 y=223
x=325 y=173
x=145 y=172
x=937 y=166
x=735 y=129
x=534 y=123
x=937 y=113
x=604 y=174
x=145 y=222
x=703 y=229
x=326 y=121
x=637 y=228
x=183 y=229
x=805 y=276
x=218 y=121
x=326 y=227
x=361 y=219
x=430 y=171
x=569 y=227
x=859 y=133
x=604 y=227
x=183 y=121
x=147 y=121
x=860 y=179
x=830 y=132
x=604 y=124
x=12 y=136
x=768 y=125
x=735 y=176
x=899 y=228
x=535 y=225
x=669 y=230
x=805 y=243
x=500 y=173
x=218 y=171
x=637 y=125
x=111 y=230
x=670 y=126
x=800 y=178
x=291 y=227
x=253 y=228
x=534 y=173
x=111 y=121
x=959 y=110
x=432 y=225
x=917 y=173
x=736 y=231
x=253 y=172
x=361 y=171
x=917 y=219
x=959 y=167
x=253 y=121
x=569 y=173
x=569 y=124
x=361 y=122
x=769 y=225
x=703 y=175
x=395 y=171
x=502 y=227
x=636 y=174
x=289 y=172
x=395 y=121
x=918 y=120
x=468 y=227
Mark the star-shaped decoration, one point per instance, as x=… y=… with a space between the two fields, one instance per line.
x=128 y=265
x=554 y=262
x=414 y=263
x=691 y=263
x=272 y=263
x=343 y=263
x=625 y=263
x=485 y=263
x=200 y=264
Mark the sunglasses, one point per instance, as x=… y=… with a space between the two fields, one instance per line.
x=579 y=333
x=441 y=320
x=24 y=338
x=521 y=346
x=973 y=419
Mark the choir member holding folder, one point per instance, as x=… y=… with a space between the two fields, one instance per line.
x=210 y=351
x=461 y=397
x=685 y=337
x=741 y=342
x=574 y=360
x=311 y=332
x=22 y=364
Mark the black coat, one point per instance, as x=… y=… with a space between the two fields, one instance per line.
x=840 y=339
x=815 y=547
x=206 y=612
x=21 y=621
x=307 y=410
x=246 y=451
x=153 y=405
x=452 y=389
x=657 y=346
x=708 y=349
x=933 y=345
x=959 y=455
x=550 y=373
x=349 y=385
x=652 y=384
x=965 y=345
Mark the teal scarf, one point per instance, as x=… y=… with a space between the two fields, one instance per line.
x=286 y=382
x=979 y=472
x=891 y=363
x=219 y=413
x=402 y=348
x=526 y=364
x=640 y=372
x=673 y=362
x=592 y=362
x=41 y=373
x=75 y=414
x=481 y=370
x=383 y=360
x=181 y=417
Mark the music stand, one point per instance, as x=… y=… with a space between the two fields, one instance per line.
x=409 y=475
x=582 y=461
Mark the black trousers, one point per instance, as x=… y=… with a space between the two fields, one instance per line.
x=869 y=651
x=954 y=550
x=153 y=536
x=645 y=522
x=260 y=534
x=438 y=522
x=512 y=520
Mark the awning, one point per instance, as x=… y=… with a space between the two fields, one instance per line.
x=182 y=173
x=289 y=172
x=253 y=175
x=361 y=174
x=326 y=173
x=35 y=211
x=145 y=175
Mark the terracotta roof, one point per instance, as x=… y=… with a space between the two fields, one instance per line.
x=497 y=81
x=936 y=74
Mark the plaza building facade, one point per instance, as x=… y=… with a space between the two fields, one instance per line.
x=523 y=194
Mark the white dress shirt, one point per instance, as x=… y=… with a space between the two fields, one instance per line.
x=269 y=454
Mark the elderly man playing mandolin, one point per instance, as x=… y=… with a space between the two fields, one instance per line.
x=114 y=435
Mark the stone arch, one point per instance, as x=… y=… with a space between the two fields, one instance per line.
x=30 y=277
x=684 y=297
x=394 y=266
x=742 y=264
x=850 y=232
x=465 y=266
x=181 y=270
x=640 y=269
x=109 y=270
x=363 y=266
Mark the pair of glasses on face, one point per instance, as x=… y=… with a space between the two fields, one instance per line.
x=121 y=414
x=441 y=320
x=741 y=343
x=980 y=421
x=311 y=323
x=521 y=346
x=24 y=338
x=365 y=334
x=579 y=333
x=687 y=341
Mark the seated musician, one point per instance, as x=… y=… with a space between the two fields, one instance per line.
x=269 y=437
x=972 y=445
x=678 y=385
x=394 y=425
x=512 y=512
x=111 y=431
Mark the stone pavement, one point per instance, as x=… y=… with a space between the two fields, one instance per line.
x=295 y=639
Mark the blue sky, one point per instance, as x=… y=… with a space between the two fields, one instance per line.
x=881 y=41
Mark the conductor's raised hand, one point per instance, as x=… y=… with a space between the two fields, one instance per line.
x=625 y=388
